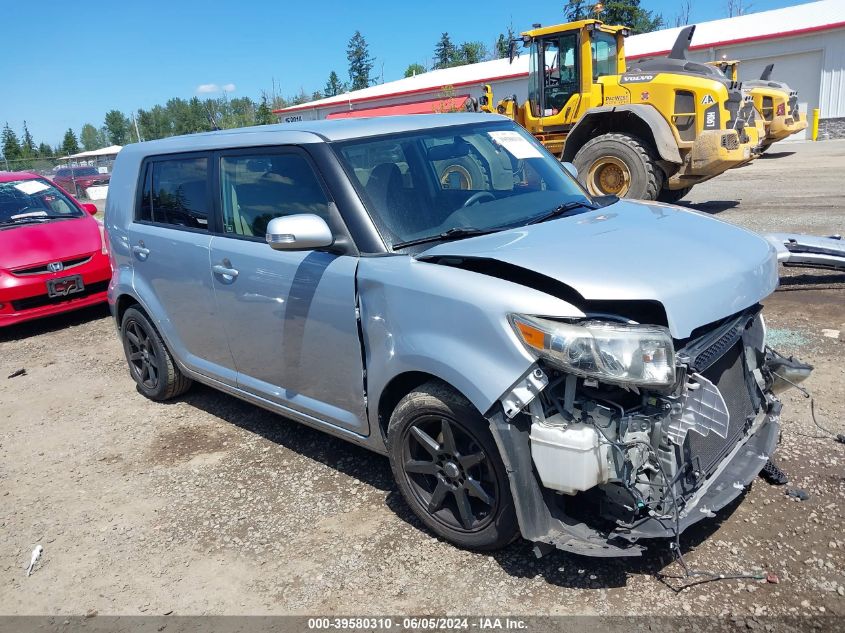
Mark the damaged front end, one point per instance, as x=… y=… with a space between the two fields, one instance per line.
x=621 y=433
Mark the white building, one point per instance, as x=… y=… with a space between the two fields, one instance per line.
x=805 y=42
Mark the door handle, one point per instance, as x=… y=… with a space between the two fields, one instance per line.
x=141 y=251
x=224 y=272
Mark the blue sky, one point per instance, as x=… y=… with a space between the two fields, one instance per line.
x=65 y=64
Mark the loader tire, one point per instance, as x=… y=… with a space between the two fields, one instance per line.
x=470 y=173
x=619 y=165
x=671 y=196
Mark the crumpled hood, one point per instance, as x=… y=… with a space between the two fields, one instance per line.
x=33 y=244
x=699 y=268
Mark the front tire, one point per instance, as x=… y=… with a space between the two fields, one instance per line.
x=150 y=363
x=671 y=196
x=448 y=469
x=619 y=165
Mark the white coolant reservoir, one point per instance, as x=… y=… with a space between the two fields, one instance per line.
x=569 y=458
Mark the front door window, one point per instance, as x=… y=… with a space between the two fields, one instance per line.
x=560 y=74
x=258 y=188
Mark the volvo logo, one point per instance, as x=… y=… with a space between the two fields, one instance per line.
x=55 y=267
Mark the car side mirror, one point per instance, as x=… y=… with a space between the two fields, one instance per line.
x=571 y=169
x=90 y=208
x=299 y=232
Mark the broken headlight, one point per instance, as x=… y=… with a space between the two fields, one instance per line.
x=618 y=353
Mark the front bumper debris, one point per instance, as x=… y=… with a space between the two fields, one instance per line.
x=809 y=251
x=729 y=481
x=540 y=522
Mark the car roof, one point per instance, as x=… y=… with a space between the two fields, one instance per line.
x=10 y=176
x=304 y=132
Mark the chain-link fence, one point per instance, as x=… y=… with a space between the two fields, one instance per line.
x=86 y=177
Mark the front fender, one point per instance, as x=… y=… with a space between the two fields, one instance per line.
x=612 y=117
x=450 y=323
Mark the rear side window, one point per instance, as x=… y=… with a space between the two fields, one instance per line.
x=176 y=192
x=257 y=188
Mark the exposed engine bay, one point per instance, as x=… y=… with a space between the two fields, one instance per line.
x=630 y=462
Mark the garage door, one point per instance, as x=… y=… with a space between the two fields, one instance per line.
x=802 y=71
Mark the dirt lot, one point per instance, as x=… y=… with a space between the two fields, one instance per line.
x=210 y=505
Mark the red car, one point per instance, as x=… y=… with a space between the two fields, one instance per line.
x=53 y=255
x=78 y=179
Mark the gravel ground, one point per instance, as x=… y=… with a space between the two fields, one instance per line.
x=208 y=505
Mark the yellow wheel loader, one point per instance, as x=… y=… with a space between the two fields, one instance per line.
x=776 y=102
x=775 y=106
x=647 y=135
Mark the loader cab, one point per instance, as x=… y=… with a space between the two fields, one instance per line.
x=566 y=62
x=729 y=68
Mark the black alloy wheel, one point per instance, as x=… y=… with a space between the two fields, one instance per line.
x=449 y=470
x=450 y=473
x=151 y=365
x=141 y=356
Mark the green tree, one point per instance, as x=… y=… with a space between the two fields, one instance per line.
x=238 y=112
x=503 y=42
x=154 y=123
x=577 y=10
x=616 y=12
x=445 y=53
x=360 y=62
x=471 y=53
x=28 y=148
x=334 y=86
x=69 y=144
x=45 y=151
x=89 y=136
x=301 y=98
x=414 y=69
x=263 y=114
x=117 y=127
x=11 y=146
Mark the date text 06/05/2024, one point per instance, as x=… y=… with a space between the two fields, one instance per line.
x=418 y=623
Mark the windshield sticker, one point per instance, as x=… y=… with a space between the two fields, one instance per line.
x=515 y=144
x=30 y=187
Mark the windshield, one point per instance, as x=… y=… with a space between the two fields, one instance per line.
x=480 y=177
x=85 y=171
x=33 y=200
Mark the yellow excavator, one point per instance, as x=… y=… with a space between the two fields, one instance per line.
x=646 y=135
x=776 y=102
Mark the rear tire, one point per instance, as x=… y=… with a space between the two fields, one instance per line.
x=150 y=363
x=448 y=468
x=671 y=196
x=619 y=165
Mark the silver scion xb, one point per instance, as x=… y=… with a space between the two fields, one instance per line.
x=585 y=373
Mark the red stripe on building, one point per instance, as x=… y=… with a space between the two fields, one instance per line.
x=429 y=106
x=459 y=84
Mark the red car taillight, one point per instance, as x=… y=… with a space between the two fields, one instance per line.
x=781 y=109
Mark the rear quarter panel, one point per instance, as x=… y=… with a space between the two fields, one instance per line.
x=120 y=205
